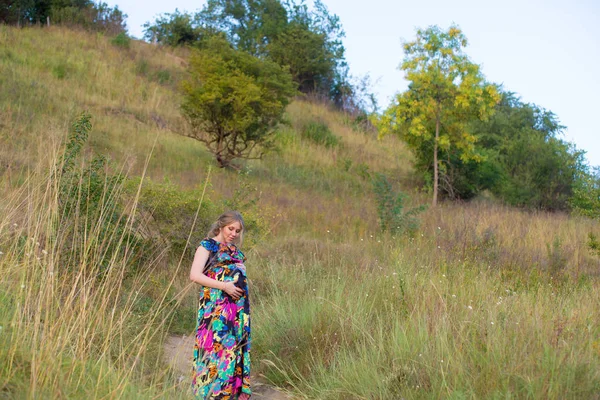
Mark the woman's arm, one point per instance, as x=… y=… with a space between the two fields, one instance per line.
x=197 y=275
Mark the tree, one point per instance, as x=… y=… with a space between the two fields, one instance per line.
x=233 y=100
x=93 y=16
x=307 y=42
x=536 y=168
x=586 y=195
x=446 y=91
x=174 y=29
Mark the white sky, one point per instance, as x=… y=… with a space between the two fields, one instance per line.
x=546 y=51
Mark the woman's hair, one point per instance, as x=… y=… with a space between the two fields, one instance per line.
x=225 y=219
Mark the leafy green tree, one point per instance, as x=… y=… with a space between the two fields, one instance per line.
x=536 y=168
x=176 y=29
x=85 y=13
x=306 y=41
x=446 y=92
x=586 y=196
x=233 y=100
x=249 y=24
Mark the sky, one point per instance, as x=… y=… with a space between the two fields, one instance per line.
x=546 y=51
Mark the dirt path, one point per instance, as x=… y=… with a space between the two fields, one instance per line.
x=178 y=354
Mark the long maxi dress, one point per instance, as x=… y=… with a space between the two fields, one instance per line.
x=222 y=348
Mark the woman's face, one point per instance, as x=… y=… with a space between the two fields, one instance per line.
x=230 y=232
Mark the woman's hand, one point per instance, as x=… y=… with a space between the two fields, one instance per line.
x=232 y=290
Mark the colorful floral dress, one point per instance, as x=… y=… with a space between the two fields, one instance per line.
x=222 y=348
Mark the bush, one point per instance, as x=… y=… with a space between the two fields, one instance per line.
x=163 y=76
x=90 y=201
x=319 y=133
x=390 y=208
x=121 y=40
x=169 y=213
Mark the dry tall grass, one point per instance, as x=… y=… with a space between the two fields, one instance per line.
x=72 y=320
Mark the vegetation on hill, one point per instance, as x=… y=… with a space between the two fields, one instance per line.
x=87 y=14
x=478 y=300
x=305 y=41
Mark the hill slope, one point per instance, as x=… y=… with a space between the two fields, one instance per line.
x=483 y=301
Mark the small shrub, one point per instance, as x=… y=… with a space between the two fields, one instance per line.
x=163 y=76
x=89 y=200
x=362 y=170
x=319 y=133
x=60 y=71
x=593 y=244
x=169 y=213
x=121 y=40
x=390 y=208
x=142 y=67
x=346 y=164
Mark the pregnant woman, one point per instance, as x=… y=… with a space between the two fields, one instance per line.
x=222 y=348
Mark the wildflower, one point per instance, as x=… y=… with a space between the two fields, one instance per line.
x=44 y=252
x=314 y=290
x=420 y=355
x=439 y=247
x=492 y=322
x=361 y=239
x=439 y=227
x=393 y=287
x=15 y=224
x=469 y=307
x=394 y=273
x=22 y=286
x=1 y=253
x=443 y=275
x=442 y=361
x=453 y=295
x=327 y=230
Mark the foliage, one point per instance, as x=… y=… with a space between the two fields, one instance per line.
x=233 y=101
x=174 y=29
x=586 y=195
x=390 y=208
x=121 y=40
x=535 y=168
x=446 y=91
x=306 y=42
x=89 y=200
x=168 y=213
x=319 y=133
x=593 y=244
x=98 y=17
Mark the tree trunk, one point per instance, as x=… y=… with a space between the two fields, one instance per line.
x=435 y=161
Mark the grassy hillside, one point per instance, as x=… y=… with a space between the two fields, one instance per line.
x=484 y=301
